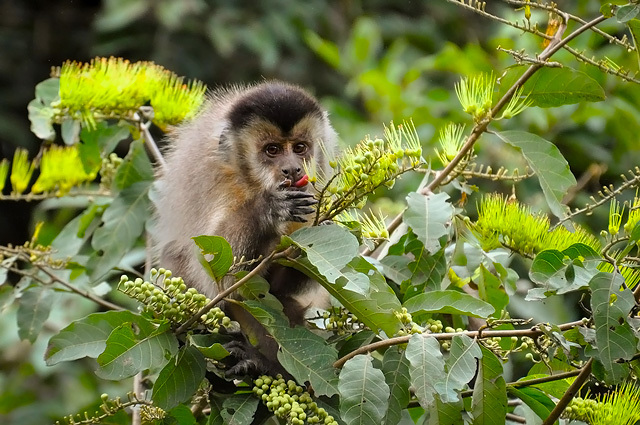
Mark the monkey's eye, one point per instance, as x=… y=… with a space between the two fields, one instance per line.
x=300 y=148
x=272 y=150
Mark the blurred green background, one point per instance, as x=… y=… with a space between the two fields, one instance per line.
x=369 y=62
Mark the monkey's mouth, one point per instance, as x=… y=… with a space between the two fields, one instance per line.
x=299 y=184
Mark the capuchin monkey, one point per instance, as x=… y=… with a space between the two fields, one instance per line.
x=236 y=171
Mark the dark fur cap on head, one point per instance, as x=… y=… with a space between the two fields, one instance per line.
x=281 y=104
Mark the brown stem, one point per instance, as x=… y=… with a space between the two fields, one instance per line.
x=556 y=44
x=571 y=392
x=534 y=331
x=264 y=263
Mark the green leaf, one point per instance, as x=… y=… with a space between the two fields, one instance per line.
x=239 y=409
x=327 y=50
x=634 y=27
x=489 y=403
x=33 y=311
x=429 y=217
x=627 y=12
x=179 y=379
x=449 y=302
x=551 y=87
x=614 y=337
x=70 y=131
x=427 y=270
x=562 y=272
x=395 y=367
x=86 y=337
x=538 y=401
x=460 y=368
x=490 y=290
x=99 y=142
x=217 y=256
x=396 y=268
x=328 y=248
x=547 y=162
x=364 y=43
x=132 y=348
x=441 y=413
x=135 y=167
x=208 y=346
x=302 y=353
x=40 y=111
x=425 y=364
x=374 y=309
x=364 y=394
x=124 y=222
x=182 y=416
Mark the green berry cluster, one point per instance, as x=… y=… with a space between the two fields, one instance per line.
x=289 y=401
x=434 y=326
x=169 y=297
x=446 y=345
x=409 y=326
x=108 y=170
x=582 y=409
x=367 y=166
x=340 y=321
x=151 y=414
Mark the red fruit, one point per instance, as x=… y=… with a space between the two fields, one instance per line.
x=302 y=182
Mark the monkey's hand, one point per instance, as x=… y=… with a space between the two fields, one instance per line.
x=293 y=205
x=250 y=361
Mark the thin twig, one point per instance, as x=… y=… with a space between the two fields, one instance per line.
x=571 y=392
x=533 y=331
x=264 y=263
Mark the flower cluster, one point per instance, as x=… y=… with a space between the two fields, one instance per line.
x=503 y=222
x=340 y=321
x=409 y=326
x=365 y=167
x=61 y=169
x=21 y=171
x=116 y=88
x=289 y=401
x=168 y=297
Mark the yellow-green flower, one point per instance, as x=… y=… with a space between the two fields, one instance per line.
x=21 y=171
x=615 y=217
x=116 y=88
x=61 y=169
x=634 y=214
x=4 y=172
x=451 y=141
x=476 y=95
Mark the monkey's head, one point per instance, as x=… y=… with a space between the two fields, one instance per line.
x=272 y=129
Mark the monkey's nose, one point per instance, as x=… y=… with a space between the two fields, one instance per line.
x=293 y=173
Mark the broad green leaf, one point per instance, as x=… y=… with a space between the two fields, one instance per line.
x=634 y=27
x=239 y=409
x=364 y=43
x=554 y=388
x=614 y=337
x=441 y=413
x=208 y=345
x=538 y=401
x=429 y=217
x=395 y=367
x=40 y=111
x=562 y=272
x=374 y=309
x=396 y=268
x=257 y=288
x=124 y=222
x=427 y=270
x=179 y=379
x=328 y=248
x=460 y=368
x=449 y=302
x=327 y=50
x=135 y=167
x=132 y=348
x=364 y=394
x=182 y=416
x=547 y=162
x=425 y=366
x=74 y=235
x=551 y=87
x=489 y=403
x=70 y=131
x=302 y=353
x=99 y=142
x=33 y=311
x=627 y=12
x=490 y=290
x=86 y=337
x=217 y=255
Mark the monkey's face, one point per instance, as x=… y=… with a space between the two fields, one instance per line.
x=277 y=157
